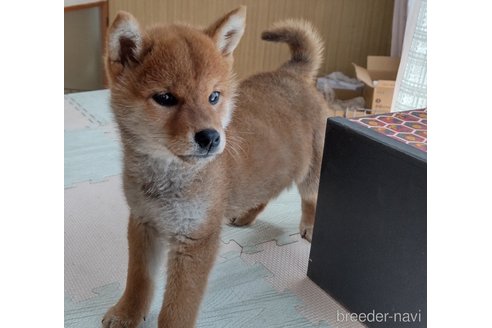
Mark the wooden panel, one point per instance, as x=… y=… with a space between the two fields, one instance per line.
x=351 y=29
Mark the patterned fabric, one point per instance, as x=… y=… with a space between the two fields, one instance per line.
x=411 y=88
x=409 y=127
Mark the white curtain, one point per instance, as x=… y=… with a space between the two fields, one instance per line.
x=411 y=82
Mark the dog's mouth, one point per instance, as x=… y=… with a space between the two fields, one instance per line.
x=197 y=157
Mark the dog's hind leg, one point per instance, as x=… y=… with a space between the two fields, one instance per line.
x=308 y=188
x=249 y=217
x=307 y=219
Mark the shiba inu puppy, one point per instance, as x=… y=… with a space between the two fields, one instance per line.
x=199 y=149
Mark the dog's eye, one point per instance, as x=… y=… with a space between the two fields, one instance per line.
x=165 y=99
x=214 y=97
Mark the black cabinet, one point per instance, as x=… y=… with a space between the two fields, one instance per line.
x=370 y=236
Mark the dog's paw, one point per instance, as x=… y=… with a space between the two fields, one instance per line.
x=306 y=232
x=115 y=318
x=241 y=221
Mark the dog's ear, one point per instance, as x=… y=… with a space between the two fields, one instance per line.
x=227 y=31
x=124 y=43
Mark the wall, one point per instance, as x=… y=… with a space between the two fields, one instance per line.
x=351 y=29
x=83 y=56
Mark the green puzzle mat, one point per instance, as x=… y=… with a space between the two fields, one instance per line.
x=237 y=296
x=279 y=221
x=94 y=105
x=90 y=155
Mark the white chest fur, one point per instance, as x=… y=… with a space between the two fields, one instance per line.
x=161 y=193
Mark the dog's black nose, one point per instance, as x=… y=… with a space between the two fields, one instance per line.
x=207 y=139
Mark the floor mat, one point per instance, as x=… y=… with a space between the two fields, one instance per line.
x=237 y=296
x=288 y=265
x=255 y=283
x=91 y=155
x=95 y=105
x=279 y=222
x=75 y=119
x=96 y=219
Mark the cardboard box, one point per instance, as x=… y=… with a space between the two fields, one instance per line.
x=379 y=81
x=343 y=86
x=357 y=112
x=346 y=94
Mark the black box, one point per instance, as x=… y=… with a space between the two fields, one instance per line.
x=370 y=236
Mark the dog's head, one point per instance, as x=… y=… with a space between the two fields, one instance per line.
x=172 y=86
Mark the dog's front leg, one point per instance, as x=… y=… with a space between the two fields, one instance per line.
x=145 y=250
x=190 y=261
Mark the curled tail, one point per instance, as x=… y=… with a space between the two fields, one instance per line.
x=304 y=42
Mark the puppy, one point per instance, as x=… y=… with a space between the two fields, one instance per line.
x=199 y=150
